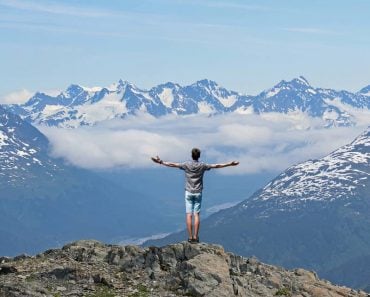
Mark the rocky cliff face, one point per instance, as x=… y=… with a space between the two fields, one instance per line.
x=90 y=268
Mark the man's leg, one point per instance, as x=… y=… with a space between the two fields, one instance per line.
x=197 y=207
x=189 y=226
x=189 y=205
x=196 y=225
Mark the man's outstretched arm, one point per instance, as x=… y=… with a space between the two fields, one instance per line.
x=233 y=163
x=168 y=164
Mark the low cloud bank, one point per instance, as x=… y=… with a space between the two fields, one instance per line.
x=16 y=97
x=270 y=142
x=22 y=96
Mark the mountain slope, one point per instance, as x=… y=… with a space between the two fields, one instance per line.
x=78 y=106
x=90 y=268
x=314 y=215
x=22 y=150
x=45 y=202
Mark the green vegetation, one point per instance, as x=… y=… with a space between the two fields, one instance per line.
x=102 y=292
x=142 y=291
x=30 y=278
x=190 y=294
x=283 y=292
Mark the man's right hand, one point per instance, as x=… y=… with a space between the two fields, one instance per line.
x=234 y=163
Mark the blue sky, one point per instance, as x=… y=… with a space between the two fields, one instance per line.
x=246 y=46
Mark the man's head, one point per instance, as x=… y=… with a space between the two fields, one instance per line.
x=195 y=153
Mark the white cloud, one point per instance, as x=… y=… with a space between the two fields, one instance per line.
x=268 y=143
x=22 y=96
x=16 y=97
x=52 y=92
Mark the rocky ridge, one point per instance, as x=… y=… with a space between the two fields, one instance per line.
x=91 y=268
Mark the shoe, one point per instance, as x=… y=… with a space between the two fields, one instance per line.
x=190 y=240
x=195 y=240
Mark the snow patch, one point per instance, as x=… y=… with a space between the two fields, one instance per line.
x=22 y=154
x=228 y=101
x=105 y=109
x=204 y=107
x=166 y=97
x=245 y=110
x=92 y=89
x=334 y=176
x=50 y=110
x=3 y=138
x=273 y=92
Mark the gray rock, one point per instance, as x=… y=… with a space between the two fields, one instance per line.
x=6 y=269
x=92 y=268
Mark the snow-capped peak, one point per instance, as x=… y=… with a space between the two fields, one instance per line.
x=78 y=105
x=73 y=91
x=296 y=82
x=206 y=83
x=339 y=175
x=365 y=91
x=301 y=80
x=124 y=85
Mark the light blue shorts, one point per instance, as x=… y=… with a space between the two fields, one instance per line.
x=193 y=202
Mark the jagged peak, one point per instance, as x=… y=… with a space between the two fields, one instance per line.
x=38 y=94
x=37 y=97
x=206 y=83
x=123 y=85
x=74 y=87
x=73 y=90
x=294 y=84
x=301 y=80
x=365 y=91
x=170 y=85
x=298 y=81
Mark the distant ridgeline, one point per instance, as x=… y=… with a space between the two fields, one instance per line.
x=78 y=106
x=314 y=215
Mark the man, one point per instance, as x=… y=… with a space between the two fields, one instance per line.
x=194 y=171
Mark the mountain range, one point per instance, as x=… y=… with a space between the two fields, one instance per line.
x=315 y=215
x=45 y=202
x=79 y=106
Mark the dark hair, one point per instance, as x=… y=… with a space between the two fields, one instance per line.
x=195 y=153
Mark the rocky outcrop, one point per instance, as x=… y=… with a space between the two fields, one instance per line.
x=93 y=269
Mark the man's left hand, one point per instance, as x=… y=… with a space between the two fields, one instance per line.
x=156 y=160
